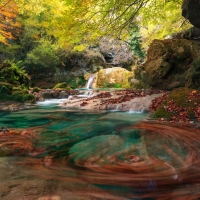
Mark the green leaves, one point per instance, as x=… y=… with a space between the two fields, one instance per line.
x=12 y=73
x=74 y=24
x=135 y=42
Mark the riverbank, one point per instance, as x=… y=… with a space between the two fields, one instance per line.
x=119 y=100
x=15 y=106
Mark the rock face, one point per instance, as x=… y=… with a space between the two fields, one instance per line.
x=136 y=101
x=172 y=63
x=191 y=11
x=116 y=52
x=108 y=53
x=113 y=77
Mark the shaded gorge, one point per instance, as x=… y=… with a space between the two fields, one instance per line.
x=58 y=153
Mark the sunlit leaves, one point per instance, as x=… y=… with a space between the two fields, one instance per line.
x=159 y=19
x=80 y=21
x=9 y=26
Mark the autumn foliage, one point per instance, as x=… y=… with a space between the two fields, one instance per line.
x=9 y=25
x=181 y=105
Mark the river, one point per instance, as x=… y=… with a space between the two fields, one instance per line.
x=55 y=153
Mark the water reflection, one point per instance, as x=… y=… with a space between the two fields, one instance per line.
x=122 y=156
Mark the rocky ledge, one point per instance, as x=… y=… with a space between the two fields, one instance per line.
x=120 y=100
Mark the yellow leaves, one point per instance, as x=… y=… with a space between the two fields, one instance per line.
x=80 y=47
x=160 y=20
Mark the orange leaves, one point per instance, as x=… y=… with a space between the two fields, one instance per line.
x=9 y=26
x=157 y=102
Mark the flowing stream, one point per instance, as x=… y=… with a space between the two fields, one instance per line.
x=90 y=81
x=53 y=153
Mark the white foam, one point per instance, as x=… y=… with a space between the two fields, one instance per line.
x=136 y=111
x=51 y=101
x=90 y=81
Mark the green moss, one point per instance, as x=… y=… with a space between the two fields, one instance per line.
x=36 y=89
x=161 y=113
x=63 y=85
x=180 y=96
x=77 y=82
x=112 y=85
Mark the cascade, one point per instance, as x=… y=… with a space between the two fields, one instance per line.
x=90 y=81
x=136 y=111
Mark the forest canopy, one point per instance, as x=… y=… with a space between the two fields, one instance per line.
x=80 y=22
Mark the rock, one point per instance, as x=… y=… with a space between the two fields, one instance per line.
x=193 y=74
x=56 y=94
x=108 y=52
x=47 y=95
x=113 y=77
x=180 y=105
x=54 y=197
x=116 y=52
x=192 y=33
x=191 y=11
x=171 y=63
x=120 y=100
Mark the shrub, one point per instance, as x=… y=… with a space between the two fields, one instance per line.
x=5 y=88
x=14 y=74
x=17 y=96
x=30 y=98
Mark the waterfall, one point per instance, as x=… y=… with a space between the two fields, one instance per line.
x=136 y=111
x=90 y=81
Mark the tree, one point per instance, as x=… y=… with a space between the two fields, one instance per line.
x=9 y=25
x=83 y=21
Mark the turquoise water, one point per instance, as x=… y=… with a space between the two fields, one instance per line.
x=117 y=153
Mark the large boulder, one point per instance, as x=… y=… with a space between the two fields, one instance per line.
x=113 y=77
x=172 y=63
x=191 y=11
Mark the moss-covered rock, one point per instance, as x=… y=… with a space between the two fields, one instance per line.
x=63 y=85
x=193 y=74
x=113 y=76
x=36 y=89
x=171 y=63
x=17 y=94
x=181 y=103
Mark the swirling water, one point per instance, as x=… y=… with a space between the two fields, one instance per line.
x=97 y=155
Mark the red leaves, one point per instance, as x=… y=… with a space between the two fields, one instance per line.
x=129 y=94
x=181 y=112
x=134 y=158
x=197 y=112
x=104 y=95
x=84 y=104
x=156 y=103
x=194 y=95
